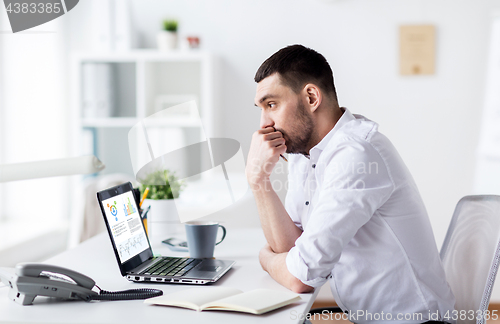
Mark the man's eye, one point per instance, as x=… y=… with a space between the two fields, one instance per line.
x=271 y=105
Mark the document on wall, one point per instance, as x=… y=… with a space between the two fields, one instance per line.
x=417 y=49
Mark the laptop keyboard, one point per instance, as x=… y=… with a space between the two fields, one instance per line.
x=174 y=267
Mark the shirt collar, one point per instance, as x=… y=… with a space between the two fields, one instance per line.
x=344 y=119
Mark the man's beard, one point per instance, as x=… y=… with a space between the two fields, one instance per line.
x=298 y=136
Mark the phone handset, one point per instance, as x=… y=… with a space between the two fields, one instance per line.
x=40 y=269
x=29 y=280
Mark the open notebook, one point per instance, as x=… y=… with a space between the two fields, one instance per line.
x=257 y=301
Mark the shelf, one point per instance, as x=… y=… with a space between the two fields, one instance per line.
x=130 y=122
x=128 y=87
x=110 y=122
x=143 y=55
x=174 y=122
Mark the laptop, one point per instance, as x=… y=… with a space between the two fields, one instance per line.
x=133 y=250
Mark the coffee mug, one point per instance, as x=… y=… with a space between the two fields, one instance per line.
x=201 y=238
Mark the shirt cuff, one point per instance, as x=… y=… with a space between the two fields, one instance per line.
x=299 y=269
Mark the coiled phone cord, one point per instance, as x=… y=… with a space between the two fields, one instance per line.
x=130 y=294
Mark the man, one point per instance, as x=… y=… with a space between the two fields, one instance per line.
x=353 y=214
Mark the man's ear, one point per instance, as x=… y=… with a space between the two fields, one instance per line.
x=313 y=96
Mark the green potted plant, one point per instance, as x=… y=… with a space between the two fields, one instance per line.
x=167 y=37
x=163 y=219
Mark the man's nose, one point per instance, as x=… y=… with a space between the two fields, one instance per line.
x=265 y=120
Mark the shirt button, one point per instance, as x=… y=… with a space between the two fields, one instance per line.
x=314 y=166
x=307 y=203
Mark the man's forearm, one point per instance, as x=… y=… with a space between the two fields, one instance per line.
x=265 y=149
x=275 y=265
x=280 y=231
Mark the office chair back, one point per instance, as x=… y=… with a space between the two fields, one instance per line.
x=471 y=254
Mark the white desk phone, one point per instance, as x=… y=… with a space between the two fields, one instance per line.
x=28 y=280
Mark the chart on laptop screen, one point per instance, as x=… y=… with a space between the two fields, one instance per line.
x=126 y=225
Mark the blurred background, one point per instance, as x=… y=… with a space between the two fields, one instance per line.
x=76 y=86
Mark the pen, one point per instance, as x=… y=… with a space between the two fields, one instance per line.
x=284 y=158
x=144 y=217
x=145 y=213
x=144 y=195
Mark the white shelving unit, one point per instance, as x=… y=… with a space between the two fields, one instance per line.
x=138 y=78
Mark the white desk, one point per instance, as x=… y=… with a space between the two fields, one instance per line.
x=95 y=258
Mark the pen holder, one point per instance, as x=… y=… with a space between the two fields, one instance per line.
x=162 y=220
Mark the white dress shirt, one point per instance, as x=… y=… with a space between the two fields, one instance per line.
x=365 y=228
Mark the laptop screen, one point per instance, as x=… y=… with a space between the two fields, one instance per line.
x=125 y=225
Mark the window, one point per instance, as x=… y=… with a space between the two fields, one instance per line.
x=33 y=127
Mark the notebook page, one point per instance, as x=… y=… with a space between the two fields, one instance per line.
x=194 y=297
x=257 y=301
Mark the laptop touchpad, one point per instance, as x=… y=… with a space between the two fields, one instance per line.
x=210 y=268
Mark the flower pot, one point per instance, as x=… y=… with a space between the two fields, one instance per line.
x=163 y=220
x=166 y=40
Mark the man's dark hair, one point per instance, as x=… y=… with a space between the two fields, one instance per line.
x=298 y=65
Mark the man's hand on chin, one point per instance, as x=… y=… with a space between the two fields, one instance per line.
x=275 y=265
x=265 y=149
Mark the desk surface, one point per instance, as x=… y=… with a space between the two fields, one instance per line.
x=95 y=258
